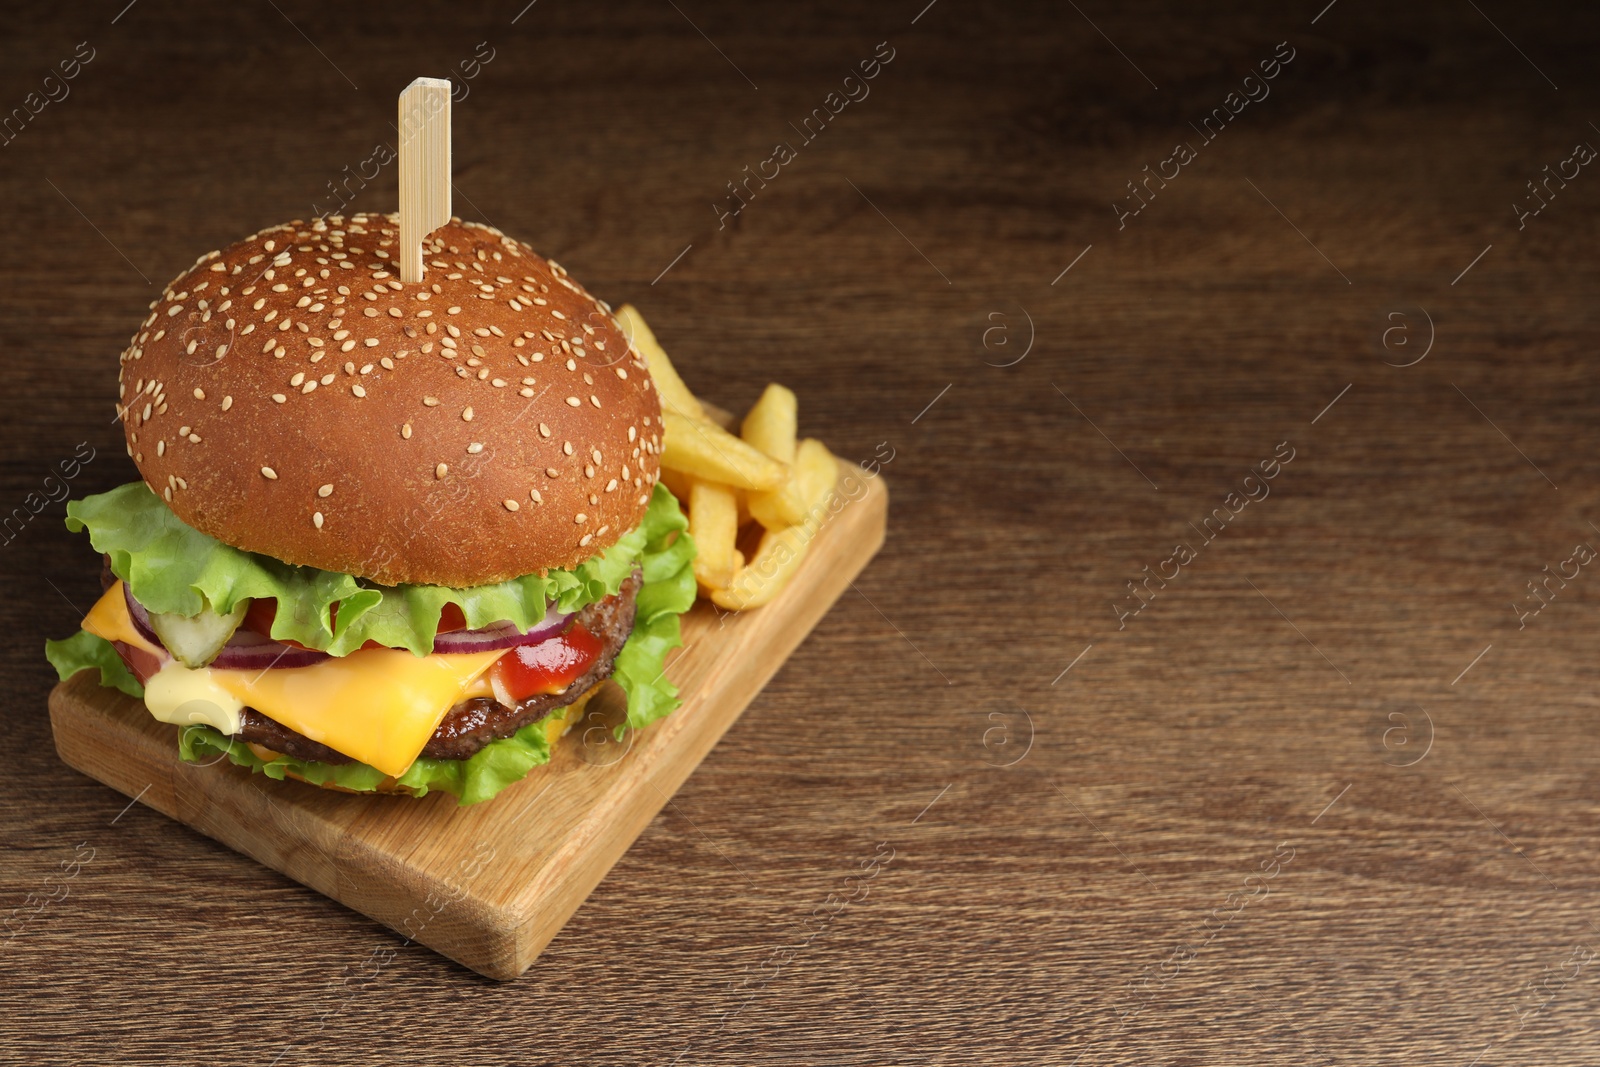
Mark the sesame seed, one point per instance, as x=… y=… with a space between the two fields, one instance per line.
x=596 y=454
x=533 y=494
x=611 y=485
x=552 y=472
x=366 y=368
x=299 y=377
x=511 y=505
x=566 y=447
x=455 y=310
x=327 y=379
x=347 y=346
x=474 y=448
x=316 y=519
x=498 y=383
x=544 y=430
x=269 y=474
x=466 y=414
x=525 y=391
x=279 y=397
x=161 y=448
x=227 y=402
x=308 y=387
x=371 y=342
x=580 y=518
x=430 y=401
x=358 y=391
x=632 y=433
x=194 y=439
x=326 y=490
x=405 y=431
x=573 y=401
x=594 y=400
x=441 y=470
x=585 y=539
x=199 y=394
x=349 y=368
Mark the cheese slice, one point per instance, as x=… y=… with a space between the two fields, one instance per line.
x=377 y=705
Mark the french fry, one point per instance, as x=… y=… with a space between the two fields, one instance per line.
x=675 y=396
x=714 y=525
x=680 y=484
x=810 y=479
x=770 y=425
x=815 y=473
x=778 y=508
x=774 y=564
x=713 y=454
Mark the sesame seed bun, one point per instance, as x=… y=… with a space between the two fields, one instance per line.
x=288 y=395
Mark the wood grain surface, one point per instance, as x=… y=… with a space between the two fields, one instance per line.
x=489 y=884
x=1330 y=797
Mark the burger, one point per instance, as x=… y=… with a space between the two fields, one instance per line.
x=389 y=537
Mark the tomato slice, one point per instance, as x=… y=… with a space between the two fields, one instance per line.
x=548 y=667
x=451 y=618
x=258 y=619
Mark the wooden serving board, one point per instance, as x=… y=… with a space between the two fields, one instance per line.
x=487 y=885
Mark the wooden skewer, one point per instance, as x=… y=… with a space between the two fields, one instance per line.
x=424 y=169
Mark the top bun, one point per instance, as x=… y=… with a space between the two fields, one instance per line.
x=288 y=395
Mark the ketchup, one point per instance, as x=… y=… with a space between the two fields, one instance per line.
x=550 y=666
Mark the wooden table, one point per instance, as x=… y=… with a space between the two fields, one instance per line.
x=1329 y=796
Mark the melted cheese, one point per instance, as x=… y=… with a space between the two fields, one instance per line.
x=377 y=705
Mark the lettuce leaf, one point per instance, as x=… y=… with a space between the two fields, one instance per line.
x=172 y=567
x=84 y=651
x=665 y=554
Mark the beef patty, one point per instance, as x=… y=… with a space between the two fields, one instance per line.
x=473 y=723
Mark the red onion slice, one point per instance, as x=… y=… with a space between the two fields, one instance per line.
x=248 y=650
x=256 y=653
x=140 y=617
x=502 y=635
